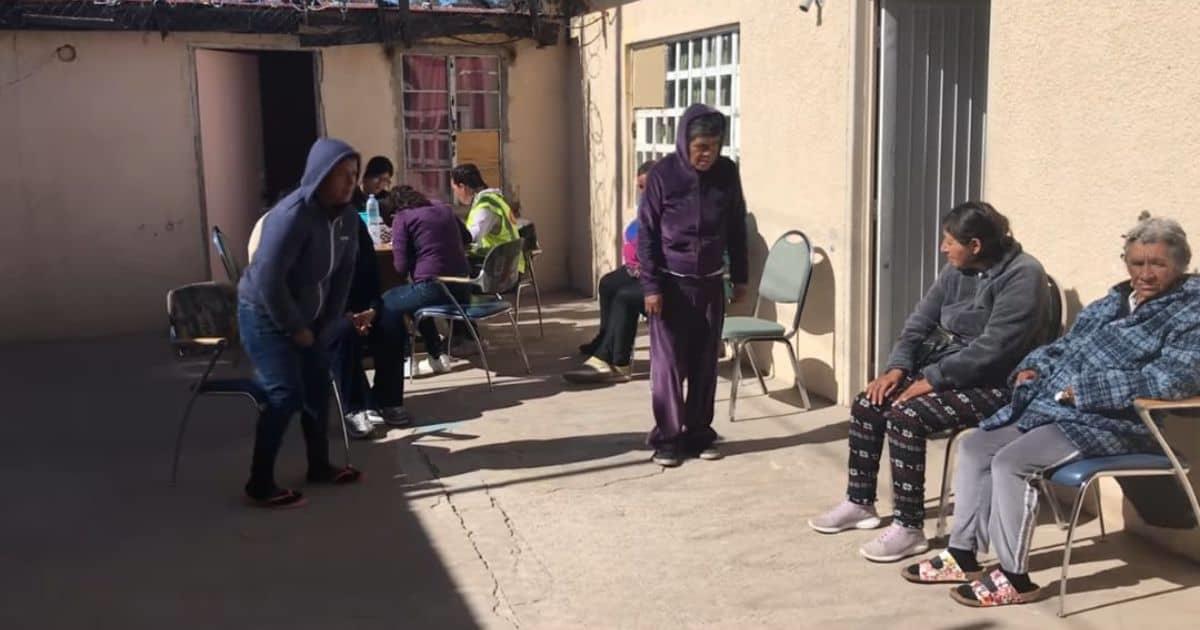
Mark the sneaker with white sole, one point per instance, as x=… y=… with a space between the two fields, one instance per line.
x=440 y=364
x=358 y=424
x=711 y=453
x=396 y=417
x=896 y=542
x=845 y=515
x=374 y=416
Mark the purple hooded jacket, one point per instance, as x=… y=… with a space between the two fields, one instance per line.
x=688 y=219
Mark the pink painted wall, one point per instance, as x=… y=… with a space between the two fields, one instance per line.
x=231 y=145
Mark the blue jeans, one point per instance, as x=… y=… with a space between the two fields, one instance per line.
x=346 y=351
x=295 y=380
x=398 y=303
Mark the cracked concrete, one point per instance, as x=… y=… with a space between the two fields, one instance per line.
x=531 y=506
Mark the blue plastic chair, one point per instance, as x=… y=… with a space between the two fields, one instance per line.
x=499 y=274
x=1083 y=474
x=784 y=281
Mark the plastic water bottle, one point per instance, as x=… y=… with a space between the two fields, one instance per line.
x=374 y=221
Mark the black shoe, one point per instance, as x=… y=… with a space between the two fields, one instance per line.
x=587 y=349
x=666 y=457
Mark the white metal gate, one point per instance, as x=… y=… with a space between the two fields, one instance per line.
x=932 y=122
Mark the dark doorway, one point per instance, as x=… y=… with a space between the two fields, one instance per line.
x=289 y=118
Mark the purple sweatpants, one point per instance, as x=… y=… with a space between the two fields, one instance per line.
x=684 y=343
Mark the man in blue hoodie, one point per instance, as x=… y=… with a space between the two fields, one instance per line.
x=692 y=212
x=295 y=287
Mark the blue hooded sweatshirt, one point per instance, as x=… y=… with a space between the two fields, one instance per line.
x=688 y=219
x=301 y=273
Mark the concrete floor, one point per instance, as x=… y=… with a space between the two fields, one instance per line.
x=532 y=506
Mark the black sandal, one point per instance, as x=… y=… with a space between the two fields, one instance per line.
x=337 y=476
x=278 y=500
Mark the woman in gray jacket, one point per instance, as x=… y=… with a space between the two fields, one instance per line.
x=949 y=369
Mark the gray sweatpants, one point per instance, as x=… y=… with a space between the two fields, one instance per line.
x=995 y=499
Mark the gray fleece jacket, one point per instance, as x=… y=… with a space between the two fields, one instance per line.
x=999 y=315
x=301 y=273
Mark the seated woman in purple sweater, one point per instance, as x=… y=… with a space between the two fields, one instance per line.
x=427 y=241
x=621 y=304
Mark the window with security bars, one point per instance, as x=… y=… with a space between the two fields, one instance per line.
x=452 y=116
x=702 y=69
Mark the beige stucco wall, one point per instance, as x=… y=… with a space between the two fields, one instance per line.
x=1090 y=122
x=102 y=177
x=359 y=100
x=99 y=176
x=796 y=116
x=536 y=152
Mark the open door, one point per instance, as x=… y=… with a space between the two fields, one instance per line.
x=231 y=147
x=258 y=118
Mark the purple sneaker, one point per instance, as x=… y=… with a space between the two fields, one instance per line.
x=846 y=515
x=896 y=542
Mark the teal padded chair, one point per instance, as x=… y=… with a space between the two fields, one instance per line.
x=785 y=280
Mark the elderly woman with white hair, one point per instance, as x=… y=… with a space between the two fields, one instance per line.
x=1072 y=399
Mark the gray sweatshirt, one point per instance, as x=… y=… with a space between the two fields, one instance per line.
x=999 y=314
x=301 y=273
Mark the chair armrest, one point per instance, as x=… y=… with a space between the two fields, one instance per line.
x=455 y=280
x=1151 y=404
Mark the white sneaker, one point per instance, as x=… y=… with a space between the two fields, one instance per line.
x=440 y=365
x=432 y=366
x=896 y=542
x=358 y=424
x=845 y=515
x=375 y=417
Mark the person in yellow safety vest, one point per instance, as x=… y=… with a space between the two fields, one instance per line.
x=490 y=220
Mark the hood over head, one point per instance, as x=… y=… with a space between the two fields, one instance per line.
x=322 y=157
x=696 y=110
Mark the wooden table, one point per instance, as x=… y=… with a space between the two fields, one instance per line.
x=388 y=277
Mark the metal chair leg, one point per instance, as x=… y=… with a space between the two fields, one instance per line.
x=737 y=379
x=1100 y=512
x=482 y=355
x=754 y=366
x=1062 y=586
x=799 y=377
x=187 y=413
x=1052 y=499
x=537 y=293
x=944 y=494
x=341 y=417
x=520 y=344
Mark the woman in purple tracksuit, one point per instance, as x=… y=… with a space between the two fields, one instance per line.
x=692 y=212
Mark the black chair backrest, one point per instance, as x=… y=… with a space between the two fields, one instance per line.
x=528 y=234
x=500 y=271
x=1056 y=310
x=231 y=266
x=202 y=310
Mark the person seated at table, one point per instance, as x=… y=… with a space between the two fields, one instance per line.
x=428 y=242
x=1072 y=400
x=376 y=180
x=989 y=306
x=622 y=302
x=347 y=340
x=490 y=220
